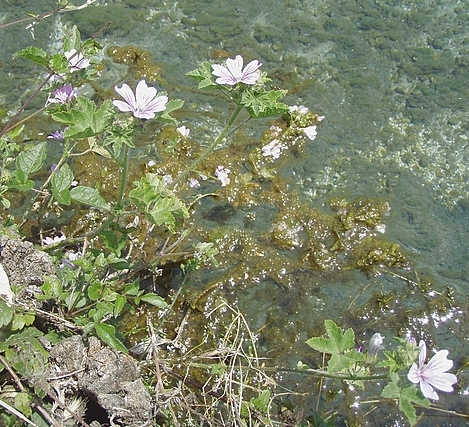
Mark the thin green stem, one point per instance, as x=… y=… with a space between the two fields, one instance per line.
x=210 y=148
x=124 y=176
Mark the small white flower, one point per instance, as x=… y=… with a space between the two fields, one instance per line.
x=272 y=149
x=183 y=131
x=381 y=228
x=193 y=183
x=50 y=241
x=222 y=174
x=300 y=109
x=151 y=163
x=167 y=179
x=311 y=132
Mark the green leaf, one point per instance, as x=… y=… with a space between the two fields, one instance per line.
x=155 y=300
x=61 y=182
x=21 y=320
x=95 y=291
x=261 y=402
x=32 y=159
x=59 y=63
x=204 y=76
x=336 y=343
x=338 y=362
x=85 y=120
x=6 y=314
x=35 y=54
x=392 y=389
x=119 y=304
x=132 y=289
x=108 y=334
x=111 y=242
x=172 y=105
x=23 y=404
x=73 y=41
x=265 y=103
x=409 y=396
x=89 y=196
x=159 y=204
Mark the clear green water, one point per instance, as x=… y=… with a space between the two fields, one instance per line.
x=392 y=80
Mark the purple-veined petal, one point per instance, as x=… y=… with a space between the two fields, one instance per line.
x=127 y=94
x=427 y=391
x=250 y=75
x=443 y=381
x=413 y=374
x=122 y=106
x=144 y=94
x=158 y=104
x=235 y=66
x=253 y=66
x=422 y=353
x=224 y=76
x=439 y=362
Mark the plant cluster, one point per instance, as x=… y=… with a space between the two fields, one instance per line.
x=101 y=266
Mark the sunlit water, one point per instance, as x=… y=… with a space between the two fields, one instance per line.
x=392 y=80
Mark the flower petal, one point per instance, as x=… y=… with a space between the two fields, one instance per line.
x=442 y=381
x=224 y=76
x=250 y=74
x=428 y=391
x=235 y=66
x=422 y=352
x=122 y=106
x=128 y=95
x=158 y=104
x=144 y=94
x=413 y=374
x=439 y=362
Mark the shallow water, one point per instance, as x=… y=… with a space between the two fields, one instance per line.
x=391 y=79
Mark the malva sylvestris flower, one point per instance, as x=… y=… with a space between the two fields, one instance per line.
x=63 y=95
x=76 y=60
x=234 y=72
x=143 y=104
x=433 y=374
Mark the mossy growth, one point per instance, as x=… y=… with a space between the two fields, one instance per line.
x=139 y=61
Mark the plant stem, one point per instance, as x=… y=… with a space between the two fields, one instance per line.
x=210 y=148
x=124 y=176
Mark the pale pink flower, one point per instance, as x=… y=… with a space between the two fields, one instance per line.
x=63 y=95
x=433 y=374
x=311 y=132
x=76 y=60
x=183 y=131
x=51 y=240
x=143 y=104
x=376 y=342
x=235 y=73
x=222 y=174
